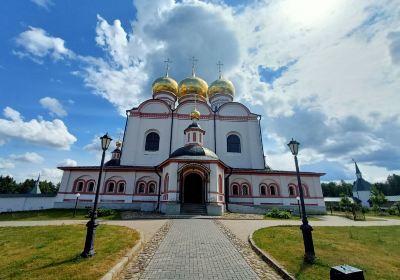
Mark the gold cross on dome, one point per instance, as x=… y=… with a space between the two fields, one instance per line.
x=167 y=62
x=219 y=64
x=194 y=60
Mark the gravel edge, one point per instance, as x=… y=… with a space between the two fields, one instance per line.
x=138 y=265
x=270 y=260
x=116 y=269
x=260 y=267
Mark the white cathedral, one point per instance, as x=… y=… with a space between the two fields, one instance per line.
x=190 y=149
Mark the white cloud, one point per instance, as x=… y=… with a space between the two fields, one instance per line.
x=31 y=157
x=51 y=174
x=53 y=105
x=6 y=164
x=94 y=145
x=36 y=44
x=339 y=69
x=45 y=4
x=68 y=162
x=49 y=133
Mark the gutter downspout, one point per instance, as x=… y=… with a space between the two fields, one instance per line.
x=215 y=133
x=159 y=188
x=227 y=188
x=170 y=136
x=262 y=146
x=123 y=138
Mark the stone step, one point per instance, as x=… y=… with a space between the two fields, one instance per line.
x=195 y=209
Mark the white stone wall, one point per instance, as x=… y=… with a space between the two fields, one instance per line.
x=282 y=199
x=240 y=122
x=28 y=203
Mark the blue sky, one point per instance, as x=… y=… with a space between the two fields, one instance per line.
x=324 y=72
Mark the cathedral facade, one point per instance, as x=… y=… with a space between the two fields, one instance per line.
x=190 y=149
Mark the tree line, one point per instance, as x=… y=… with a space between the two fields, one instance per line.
x=9 y=186
x=390 y=187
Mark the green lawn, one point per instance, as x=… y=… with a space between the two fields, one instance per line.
x=376 y=250
x=370 y=216
x=52 y=252
x=52 y=214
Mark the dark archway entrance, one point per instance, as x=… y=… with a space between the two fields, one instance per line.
x=193 y=189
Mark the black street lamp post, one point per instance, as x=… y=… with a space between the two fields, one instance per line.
x=88 y=251
x=298 y=204
x=309 y=253
x=76 y=203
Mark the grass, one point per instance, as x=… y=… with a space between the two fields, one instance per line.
x=382 y=216
x=52 y=214
x=375 y=250
x=52 y=252
x=370 y=216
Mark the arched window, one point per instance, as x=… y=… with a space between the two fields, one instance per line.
x=233 y=144
x=141 y=188
x=200 y=137
x=220 y=184
x=263 y=190
x=305 y=191
x=90 y=187
x=272 y=190
x=235 y=189
x=188 y=137
x=110 y=187
x=292 y=191
x=79 y=186
x=152 y=142
x=245 y=190
x=121 y=187
x=152 y=187
x=166 y=182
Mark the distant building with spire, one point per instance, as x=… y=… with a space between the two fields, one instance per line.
x=361 y=188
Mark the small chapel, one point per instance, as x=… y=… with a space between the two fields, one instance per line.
x=190 y=149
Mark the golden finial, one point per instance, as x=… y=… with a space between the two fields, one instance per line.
x=195 y=114
x=219 y=64
x=194 y=60
x=118 y=143
x=167 y=62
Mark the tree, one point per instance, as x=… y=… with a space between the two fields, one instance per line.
x=377 y=198
x=334 y=189
x=345 y=202
x=394 y=184
x=397 y=204
x=7 y=184
x=48 y=187
x=26 y=186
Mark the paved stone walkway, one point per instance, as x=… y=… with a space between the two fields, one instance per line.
x=197 y=249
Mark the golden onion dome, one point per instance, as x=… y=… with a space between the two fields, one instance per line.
x=118 y=144
x=165 y=84
x=193 y=85
x=195 y=114
x=221 y=86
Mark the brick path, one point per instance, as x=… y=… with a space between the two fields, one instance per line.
x=197 y=249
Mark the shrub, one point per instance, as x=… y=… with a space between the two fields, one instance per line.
x=364 y=209
x=278 y=214
x=102 y=212
x=392 y=210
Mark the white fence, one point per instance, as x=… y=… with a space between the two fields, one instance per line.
x=13 y=203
